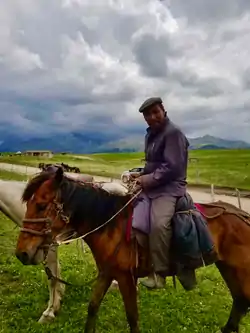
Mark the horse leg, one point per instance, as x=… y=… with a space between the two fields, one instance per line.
x=239 y=309
x=240 y=302
x=56 y=289
x=102 y=284
x=127 y=285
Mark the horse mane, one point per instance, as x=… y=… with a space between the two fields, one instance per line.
x=81 y=201
x=33 y=185
x=93 y=205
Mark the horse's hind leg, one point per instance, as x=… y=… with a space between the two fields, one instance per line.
x=239 y=309
x=102 y=284
x=127 y=286
x=240 y=302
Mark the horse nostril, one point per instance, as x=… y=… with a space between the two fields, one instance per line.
x=23 y=257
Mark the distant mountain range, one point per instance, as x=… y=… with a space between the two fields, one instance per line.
x=94 y=142
x=212 y=142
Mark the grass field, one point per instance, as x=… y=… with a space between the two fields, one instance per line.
x=24 y=294
x=12 y=175
x=220 y=167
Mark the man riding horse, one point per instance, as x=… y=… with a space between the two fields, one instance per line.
x=163 y=181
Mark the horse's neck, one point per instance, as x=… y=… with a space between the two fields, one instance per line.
x=105 y=242
x=10 y=200
x=92 y=223
x=16 y=218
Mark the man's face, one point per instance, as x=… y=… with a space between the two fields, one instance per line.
x=154 y=116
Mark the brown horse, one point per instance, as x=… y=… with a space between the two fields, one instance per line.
x=55 y=202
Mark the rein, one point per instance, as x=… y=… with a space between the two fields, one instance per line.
x=55 y=278
x=104 y=224
x=48 y=232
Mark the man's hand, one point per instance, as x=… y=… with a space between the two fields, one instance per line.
x=138 y=183
x=134 y=175
x=135 y=183
x=139 y=180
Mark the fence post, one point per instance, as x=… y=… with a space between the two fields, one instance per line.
x=212 y=192
x=238 y=197
x=197 y=176
x=27 y=174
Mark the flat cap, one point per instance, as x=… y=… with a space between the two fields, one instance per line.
x=150 y=102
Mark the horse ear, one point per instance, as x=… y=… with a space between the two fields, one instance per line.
x=59 y=175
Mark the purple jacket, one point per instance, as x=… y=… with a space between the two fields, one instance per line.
x=166 y=154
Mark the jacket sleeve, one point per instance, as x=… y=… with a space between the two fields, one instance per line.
x=145 y=153
x=174 y=156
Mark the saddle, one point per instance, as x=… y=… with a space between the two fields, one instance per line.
x=192 y=245
x=192 y=242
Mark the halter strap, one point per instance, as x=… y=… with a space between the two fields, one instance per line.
x=35 y=232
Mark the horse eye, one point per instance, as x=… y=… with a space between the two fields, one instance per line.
x=41 y=206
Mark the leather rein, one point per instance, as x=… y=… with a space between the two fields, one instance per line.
x=49 y=242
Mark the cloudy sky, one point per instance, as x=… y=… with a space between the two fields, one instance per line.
x=65 y=65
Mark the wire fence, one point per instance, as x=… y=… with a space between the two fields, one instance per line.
x=15 y=172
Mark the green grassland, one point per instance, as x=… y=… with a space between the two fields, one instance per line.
x=220 y=167
x=24 y=292
x=24 y=296
x=4 y=174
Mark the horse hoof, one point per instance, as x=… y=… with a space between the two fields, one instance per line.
x=46 y=318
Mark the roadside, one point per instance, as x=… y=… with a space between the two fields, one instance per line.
x=30 y=171
x=199 y=194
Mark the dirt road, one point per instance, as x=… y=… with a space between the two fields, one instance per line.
x=197 y=195
x=29 y=171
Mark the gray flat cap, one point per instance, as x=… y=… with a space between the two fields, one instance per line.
x=150 y=102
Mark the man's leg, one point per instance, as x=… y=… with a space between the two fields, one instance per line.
x=162 y=211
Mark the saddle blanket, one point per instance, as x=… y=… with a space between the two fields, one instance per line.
x=191 y=237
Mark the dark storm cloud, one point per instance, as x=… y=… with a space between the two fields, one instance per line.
x=66 y=65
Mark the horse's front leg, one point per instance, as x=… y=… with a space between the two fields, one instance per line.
x=128 y=288
x=56 y=289
x=101 y=286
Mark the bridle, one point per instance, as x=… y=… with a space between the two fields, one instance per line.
x=46 y=233
x=48 y=241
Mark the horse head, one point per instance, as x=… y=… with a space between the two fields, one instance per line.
x=43 y=219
